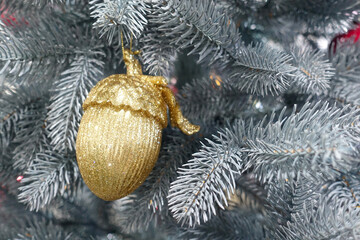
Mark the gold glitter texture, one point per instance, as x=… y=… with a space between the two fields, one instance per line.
x=119 y=137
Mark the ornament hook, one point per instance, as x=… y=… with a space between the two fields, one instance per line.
x=137 y=52
x=131 y=37
x=133 y=66
x=122 y=42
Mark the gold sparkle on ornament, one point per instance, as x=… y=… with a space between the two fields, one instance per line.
x=119 y=137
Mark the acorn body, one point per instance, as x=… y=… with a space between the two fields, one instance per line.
x=119 y=137
x=115 y=159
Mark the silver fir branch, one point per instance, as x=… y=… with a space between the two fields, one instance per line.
x=68 y=94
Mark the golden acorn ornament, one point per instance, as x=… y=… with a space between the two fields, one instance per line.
x=119 y=137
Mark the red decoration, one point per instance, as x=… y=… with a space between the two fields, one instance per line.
x=10 y=20
x=19 y=178
x=353 y=33
x=172 y=85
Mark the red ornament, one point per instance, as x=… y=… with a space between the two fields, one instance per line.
x=172 y=85
x=19 y=178
x=10 y=20
x=353 y=33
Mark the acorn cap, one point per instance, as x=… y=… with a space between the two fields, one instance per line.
x=121 y=91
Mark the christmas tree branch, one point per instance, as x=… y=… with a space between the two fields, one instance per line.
x=68 y=94
x=315 y=139
x=314 y=70
x=114 y=17
x=313 y=220
x=131 y=215
x=203 y=182
x=29 y=44
x=346 y=61
x=326 y=16
x=256 y=71
x=231 y=225
x=158 y=54
x=252 y=67
x=212 y=97
x=156 y=187
x=30 y=137
x=50 y=174
x=14 y=102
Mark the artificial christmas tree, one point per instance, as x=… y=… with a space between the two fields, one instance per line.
x=277 y=155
